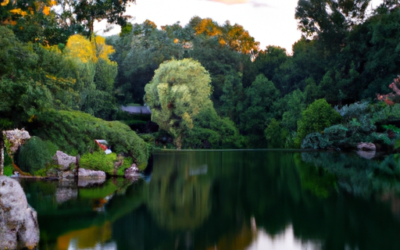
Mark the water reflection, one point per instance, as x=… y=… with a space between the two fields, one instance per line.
x=231 y=200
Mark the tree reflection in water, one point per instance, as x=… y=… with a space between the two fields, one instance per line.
x=244 y=200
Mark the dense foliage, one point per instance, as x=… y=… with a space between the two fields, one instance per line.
x=209 y=85
x=76 y=131
x=176 y=94
x=315 y=118
x=35 y=154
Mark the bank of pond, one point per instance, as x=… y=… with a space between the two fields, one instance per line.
x=228 y=200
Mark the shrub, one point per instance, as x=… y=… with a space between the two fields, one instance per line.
x=275 y=135
x=98 y=161
x=76 y=131
x=318 y=116
x=127 y=164
x=212 y=131
x=8 y=170
x=34 y=154
x=351 y=111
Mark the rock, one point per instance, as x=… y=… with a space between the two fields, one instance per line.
x=367 y=154
x=67 y=175
x=65 y=194
x=18 y=221
x=17 y=138
x=64 y=160
x=90 y=182
x=133 y=171
x=366 y=146
x=90 y=174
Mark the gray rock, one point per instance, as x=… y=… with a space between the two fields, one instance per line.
x=16 y=137
x=18 y=221
x=367 y=154
x=366 y=146
x=90 y=182
x=90 y=174
x=133 y=171
x=65 y=194
x=64 y=160
x=67 y=175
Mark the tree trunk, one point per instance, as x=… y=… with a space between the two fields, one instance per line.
x=178 y=143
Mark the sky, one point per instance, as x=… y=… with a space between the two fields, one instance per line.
x=270 y=22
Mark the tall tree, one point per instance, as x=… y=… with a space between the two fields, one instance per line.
x=87 y=11
x=177 y=93
x=330 y=20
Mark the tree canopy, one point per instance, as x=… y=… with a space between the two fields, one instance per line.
x=177 y=93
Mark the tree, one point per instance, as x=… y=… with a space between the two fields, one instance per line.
x=138 y=56
x=257 y=109
x=318 y=116
x=178 y=91
x=275 y=134
x=330 y=20
x=87 y=11
x=98 y=74
x=295 y=104
x=211 y=131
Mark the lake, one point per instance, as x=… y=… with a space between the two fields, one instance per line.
x=229 y=200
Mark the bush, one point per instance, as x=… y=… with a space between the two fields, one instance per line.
x=351 y=111
x=212 y=131
x=74 y=130
x=98 y=161
x=127 y=164
x=35 y=154
x=318 y=116
x=8 y=170
x=275 y=135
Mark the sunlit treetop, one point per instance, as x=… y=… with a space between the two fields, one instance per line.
x=12 y=10
x=89 y=51
x=233 y=36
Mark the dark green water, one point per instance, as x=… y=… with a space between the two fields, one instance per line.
x=229 y=200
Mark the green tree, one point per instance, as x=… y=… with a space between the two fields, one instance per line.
x=276 y=135
x=315 y=118
x=257 y=109
x=295 y=104
x=330 y=20
x=211 y=131
x=87 y=12
x=178 y=92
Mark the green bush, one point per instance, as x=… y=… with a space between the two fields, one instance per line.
x=8 y=170
x=276 y=135
x=35 y=154
x=211 y=131
x=98 y=160
x=76 y=131
x=127 y=164
x=318 y=116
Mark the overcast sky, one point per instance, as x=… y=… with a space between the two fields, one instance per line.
x=271 y=22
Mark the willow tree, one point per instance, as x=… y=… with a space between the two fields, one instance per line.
x=176 y=94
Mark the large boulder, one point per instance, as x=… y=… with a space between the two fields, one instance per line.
x=64 y=194
x=132 y=172
x=90 y=174
x=18 y=221
x=366 y=146
x=64 y=160
x=16 y=138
